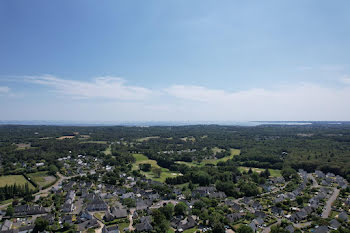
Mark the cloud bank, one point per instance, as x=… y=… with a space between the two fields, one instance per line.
x=100 y=87
x=119 y=101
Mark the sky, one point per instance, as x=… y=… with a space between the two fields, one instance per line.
x=175 y=60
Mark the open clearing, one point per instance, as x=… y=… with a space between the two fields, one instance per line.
x=233 y=152
x=146 y=138
x=23 y=146
x=14 y=179
x=65 y=137
x=142 y=159
x=108 y=150
x=273 y=172
x=41 y=178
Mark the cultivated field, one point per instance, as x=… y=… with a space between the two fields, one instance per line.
x=14 y=179
x=41 y=178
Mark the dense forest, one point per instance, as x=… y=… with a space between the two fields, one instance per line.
x=316 y=146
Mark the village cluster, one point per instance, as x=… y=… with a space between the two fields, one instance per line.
x=92 y=205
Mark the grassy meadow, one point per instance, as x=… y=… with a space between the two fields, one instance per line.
x=14 y=179
x=142 y=159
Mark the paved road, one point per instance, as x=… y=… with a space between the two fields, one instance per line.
x=328 y=207
x=314 y=181
x=131 y=228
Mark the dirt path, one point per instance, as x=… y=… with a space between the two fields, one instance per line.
x=328 y=207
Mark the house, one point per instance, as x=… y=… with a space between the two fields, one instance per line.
x=186 y=223
x=220 y=195
x=343 y=216
x=67 y=219
x=321 y=229
x=144 y=225
x=26 y=229
x=85 y=215
x=233 y=205
x=84 y=226
x=277 y=211
x=289 y=228
x=97 y=205
x=6 y=225
x=234 y=217
x=204 y=191
x=119 y=212
x=67 y=208
x=259 y=214
x=143 y=204
x=253 y=226
x=334 y=224
x=257 y=206
x=50 y=218
x=258 y=221
x=111 y=229
x=24 y=210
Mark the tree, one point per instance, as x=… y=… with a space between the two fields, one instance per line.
x=129 y=202
x=244 y=229
x=40 y=224
x=157 y=171
x=180 y=208
x=160 y=222
x=168 y=211
x=10 y=211
x=53 y=170
x=146 y=167
x=289 y=173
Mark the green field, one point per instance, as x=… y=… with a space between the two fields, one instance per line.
x=273 y=172
x=108 y=151
x=41 y=178
x=142 y=159
x=233 y=153
x=192 y=230
x=14 y=179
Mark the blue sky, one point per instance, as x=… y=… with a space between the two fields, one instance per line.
x=174 y=60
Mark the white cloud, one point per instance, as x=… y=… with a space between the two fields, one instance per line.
x=100 y=87
x=345 y=79
x=4 y=90
x=297 y=102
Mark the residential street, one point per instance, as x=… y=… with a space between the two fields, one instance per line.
x=328 y=207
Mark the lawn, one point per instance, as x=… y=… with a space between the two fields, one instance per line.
x=41 y=178
x=14 y=179
x=192 y=230
x=142 y=159
x=122 y=226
